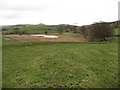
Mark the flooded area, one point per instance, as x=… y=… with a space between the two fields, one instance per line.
x=46 y=36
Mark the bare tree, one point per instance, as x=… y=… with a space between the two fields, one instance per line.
x=60 y=29
x=100 y=31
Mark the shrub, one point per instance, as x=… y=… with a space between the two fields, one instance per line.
x=83 y=30
x=100 y=31
x=74 y=29
x=60 y=29
x=23 y=32
x=46 y=32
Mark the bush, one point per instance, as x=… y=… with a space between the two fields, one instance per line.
x=4 y=29
x=100 y=31
x=46 y=32
x=23 y=32
x=74 y=29
x=60 y=29
x=83 y=30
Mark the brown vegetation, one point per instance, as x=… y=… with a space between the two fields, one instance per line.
x=37 y=38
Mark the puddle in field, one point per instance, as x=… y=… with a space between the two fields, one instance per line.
x=46 y=36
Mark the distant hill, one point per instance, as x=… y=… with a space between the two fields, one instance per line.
x=42 y=28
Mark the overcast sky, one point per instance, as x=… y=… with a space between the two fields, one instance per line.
x=50 y=12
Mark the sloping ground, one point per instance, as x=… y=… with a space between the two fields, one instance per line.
x=59 y=64
x=33 y=38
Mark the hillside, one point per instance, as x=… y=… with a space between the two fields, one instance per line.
x=50 y=29
x=29 y=29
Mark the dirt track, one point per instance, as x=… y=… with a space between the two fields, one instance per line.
x=37 y=38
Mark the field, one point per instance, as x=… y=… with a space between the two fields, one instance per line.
x=32 y=29
x=66 y=37
x=43 y=64
x=68 y=61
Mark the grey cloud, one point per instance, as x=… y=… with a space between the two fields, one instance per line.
x=16 y=10
x=12 y=16
x=22 y=6
x=9 y=15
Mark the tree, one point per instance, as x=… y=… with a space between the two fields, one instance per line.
x=46 y=32
x=100 y=31
x=82 y=30
x=60 y=29
x=4 y=29
x=23 y=32
x=16 y=30
x=75 y=29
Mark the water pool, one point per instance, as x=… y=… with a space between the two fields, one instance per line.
x=46 y=36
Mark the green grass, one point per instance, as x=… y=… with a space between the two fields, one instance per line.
x=33 y=29
x=59 y=64
x=39 y=29
x=71 y=34
x=117 y=31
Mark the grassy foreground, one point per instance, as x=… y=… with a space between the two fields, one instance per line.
x=59 y=64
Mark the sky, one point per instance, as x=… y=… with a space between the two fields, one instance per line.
x=53 y=12
x=119 y=10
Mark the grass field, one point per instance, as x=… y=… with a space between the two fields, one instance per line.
x=39 y=29
x=59 y=64
x=33 y=29
x=117 y=31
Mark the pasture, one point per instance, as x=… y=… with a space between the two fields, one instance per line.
x=31 y=29
x=70 y=61
x=44 y=64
